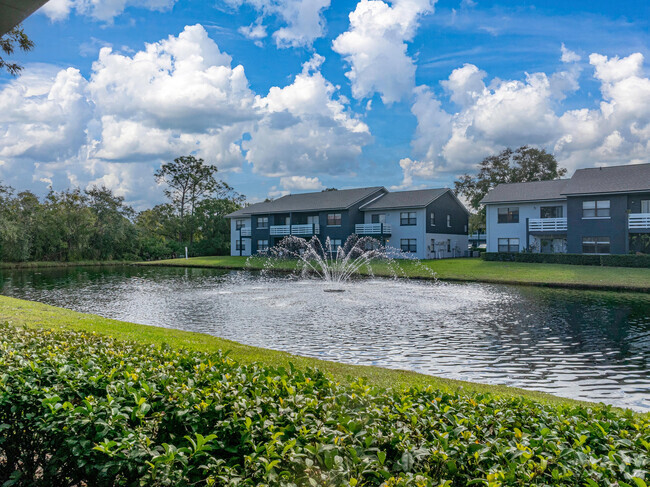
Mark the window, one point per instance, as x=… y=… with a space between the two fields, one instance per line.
x=407 y=218
x=595 y=209
x=551 y=212
x=282 y=220
x=465 y=229
x=240 y=245
x=448 y=221
x=378 y=218
x=312 y=220
x=262 y=245
x=408 y=245
x=432 y=219
x=645 y=206
x=508 y=215
x=334 y=219
x=334 y=245
x=262 y=222
x=595 y=245
x=239 y=224
x=508 y=245
x=448 y=245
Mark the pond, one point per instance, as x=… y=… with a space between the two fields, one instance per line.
x=586 y=345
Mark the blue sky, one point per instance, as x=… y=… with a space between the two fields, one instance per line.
x=297 y=95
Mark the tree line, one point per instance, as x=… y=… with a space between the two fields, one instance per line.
x=96 y=224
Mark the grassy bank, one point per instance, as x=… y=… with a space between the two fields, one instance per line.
x=37 y=315
x=472 y=270
x=94 y=409
x=48 y=264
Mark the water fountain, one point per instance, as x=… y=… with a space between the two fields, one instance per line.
x=335 y=264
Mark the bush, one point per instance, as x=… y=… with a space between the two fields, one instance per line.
x=575 y=259
x=81 y=409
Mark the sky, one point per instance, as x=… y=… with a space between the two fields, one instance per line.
x=287 y=96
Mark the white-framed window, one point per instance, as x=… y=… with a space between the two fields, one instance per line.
x=448 y=221
x=407 y=218
x=645 y=206
x=262 y=245
x=595 y=245
x=508 y=245
x=239 y=224
x=262 y=222
x=465 y=228
x=335 y=243
x=333 y=219
x=432 y=219
x=408 y=244
x=378 y=218
x=240 y=245
x=312 y=220
x=595 y=209
x=508 y=215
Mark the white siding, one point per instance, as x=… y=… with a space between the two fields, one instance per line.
x=418 y=232
x=496 y=230
x=234 y=236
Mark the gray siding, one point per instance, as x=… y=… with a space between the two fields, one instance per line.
x=445 y=205
x=614 y=227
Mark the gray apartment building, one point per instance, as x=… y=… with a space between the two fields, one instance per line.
x=597 y=211
x=429 y=223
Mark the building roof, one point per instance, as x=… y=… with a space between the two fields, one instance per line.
x=533 y=191
x=13 y=12
x=323 y=200
x=614 y=179
x=405 y=199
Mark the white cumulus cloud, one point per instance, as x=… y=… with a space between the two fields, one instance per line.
x=104 y=10
x=303 y=20
x=375 y=46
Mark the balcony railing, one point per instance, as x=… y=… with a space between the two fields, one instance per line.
x=308 y=229
x=639 y=221
x=280 y=230
x=547 y=225
x=372 y=229
x=245 y=231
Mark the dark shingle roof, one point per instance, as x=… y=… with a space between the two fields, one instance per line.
x=405 y=199
x=615 y=179
x=533 y=191
x=324 y=200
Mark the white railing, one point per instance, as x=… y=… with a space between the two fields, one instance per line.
x=372 y=229
x=639 y=221
x=307 y=229
x=280 y=229
x=547 y=225
x=245 y=231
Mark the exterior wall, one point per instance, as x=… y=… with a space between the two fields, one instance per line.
x=234 y=236
x=445 y=205
x=458 y=244
x=528 y=210
x=614 y=226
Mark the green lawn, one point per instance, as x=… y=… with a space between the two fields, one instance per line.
x=37 y=315
x=557 y=275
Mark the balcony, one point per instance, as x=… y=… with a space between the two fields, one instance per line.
x=547 y=225
x=639 y=221
x=280 y=230
x=372 y=229
x=245 y=231
x=308 y=229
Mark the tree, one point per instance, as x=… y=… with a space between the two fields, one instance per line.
x=189 y=182
x=12 y=40
x=524 y=164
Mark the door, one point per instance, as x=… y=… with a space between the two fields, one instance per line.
x=546 y=246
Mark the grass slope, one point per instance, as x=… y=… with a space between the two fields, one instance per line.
x=31 y=314
x=473 y=270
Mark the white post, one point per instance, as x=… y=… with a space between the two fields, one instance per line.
x=186 y=252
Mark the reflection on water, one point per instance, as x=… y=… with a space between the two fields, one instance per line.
x=585 y=345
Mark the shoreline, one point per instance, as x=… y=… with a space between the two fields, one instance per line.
x=34 y=314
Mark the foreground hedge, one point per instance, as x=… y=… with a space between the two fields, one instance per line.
x=80 y=409
x=613 y=260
